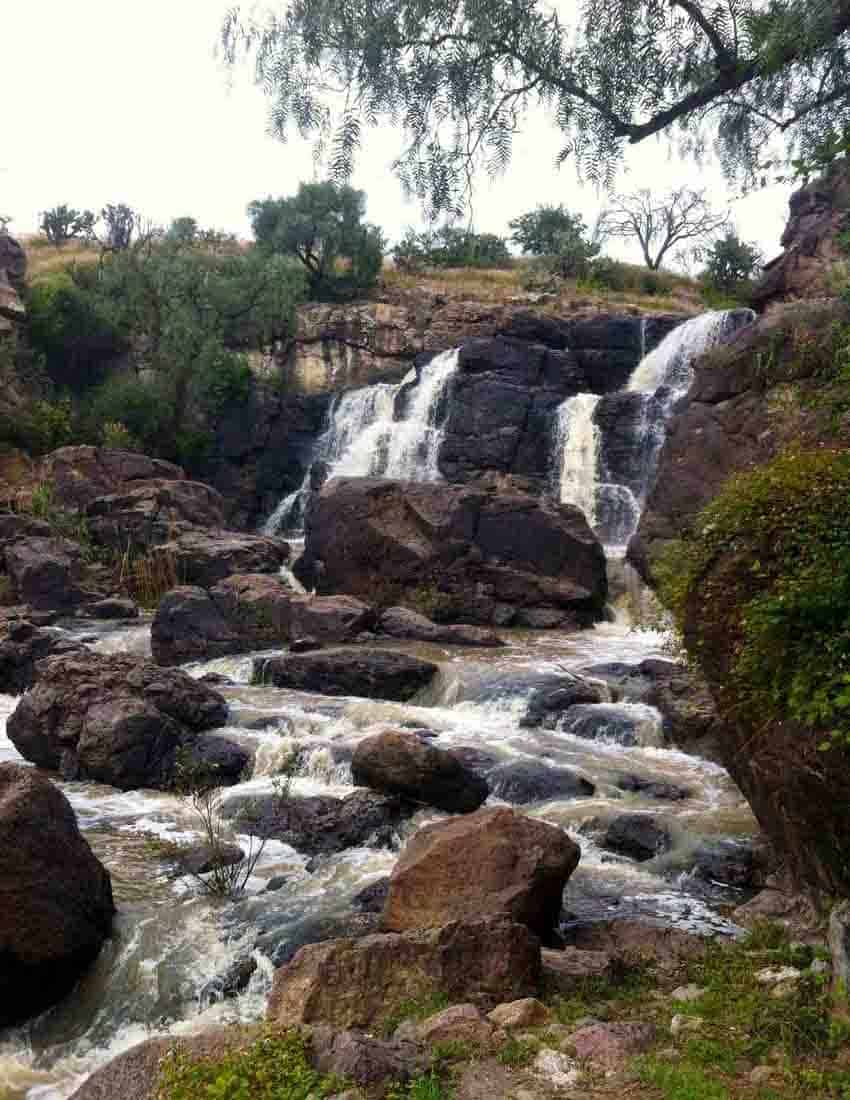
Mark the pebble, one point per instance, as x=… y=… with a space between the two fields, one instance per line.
x=687 y=993
x=681 y=1023
x=558 y=1069
x=776 y=975
x=760 y=1074
x=820 y=966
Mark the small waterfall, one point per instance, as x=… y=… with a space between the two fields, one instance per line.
x=578 y=443
x=670 y=364
x=366 y=436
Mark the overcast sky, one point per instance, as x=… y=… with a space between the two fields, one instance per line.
x=116 y=101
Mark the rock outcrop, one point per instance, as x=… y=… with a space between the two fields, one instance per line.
x=369 y=673
x=152 y=513
x=56 y=903
x=398 y=762
x=121 y=720
x=79 y=475
x=204 y=557
x=521 y=868
x=47 y=573
x=13 y=269
x=22 y=646
x=401 y=622
x=489 y=554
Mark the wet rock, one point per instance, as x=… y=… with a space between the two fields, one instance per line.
x=460 y=1023
x=22 y=646
x=484 y=553
x=623 y=725
x=200 y=859
x=275 y=883
x=476 y=759
x=400 y=622
x=369 y=673
x=740 y=863
x=56 y=896
x=355 y=983
x=371 y=898
x=399 y=763
x=115 y=607
x=516 y=1015
x=353 y=1056
x=522 y=866
x=653 y=788
x=205 y=557
x=611 y=1044
x=116 y=719
x=548 y=703
x=305 y=645
x=153 y=513
x=46 y=573
x=639 y=836
x=526 y=781
x=230 y=983
x=322 y=824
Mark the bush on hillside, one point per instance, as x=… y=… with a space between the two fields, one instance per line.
x=450 y=247
x=731 y=265
x=541 y=231
x=64 y=223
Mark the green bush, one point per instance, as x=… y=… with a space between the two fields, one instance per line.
x=142 y=406
x=450 y=247
x=39 y=427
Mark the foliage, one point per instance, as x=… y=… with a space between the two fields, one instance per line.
x=609 y=274
x=427 y=1087
x=681 y=1082
x=74 y=331
x=450 y=247
x=146 y=577
x=64 y=223
x=141 y=405
x=660 y=224
x=457 y=79
x=39 y=427
x=121 y=221
x=539 y=231
x=116 y=436
x=731 y=264
x=274 y=1067
x=322 y=226
x=518 y=1052
x=787 y=521
x=184 y=230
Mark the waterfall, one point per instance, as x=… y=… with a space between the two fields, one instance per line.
x=367 y=436
x=607 y=447
x=577 y=439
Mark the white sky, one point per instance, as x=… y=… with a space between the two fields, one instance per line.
x=118 y=101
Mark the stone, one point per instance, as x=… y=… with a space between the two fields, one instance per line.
x=79 y=475
x=355 y=983
x=839 y=945
x=781 y=903
x=46 y=573
x=776 y=975
x=690 y=992
x=633 y=943
x=19 y=525
x=13 y=260
x=153 y=512
x=372 y=897
x=230 y=983
x=353 y=1056
x=567 y=971
x=488 y=1079
x=56 y=903
x=459 y=1023
x=118 y=719
x=204 y=557
x=484 y=553
x=369 y=673
x=638 y=836
x=559 y=1070
x=548 y=702
x=399 y=763
x=200 y=859
x=522 y=866
x=740 y=863
x=651 y=788
x=681 y=1024
x=610 y=1044
x=516 y=1015
x=401 y=622
x=115 y=607
x=523 y=781
x=762 y=1075
x=22 y=646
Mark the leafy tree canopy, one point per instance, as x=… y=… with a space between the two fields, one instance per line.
x=541 y=232
x=730 y=263
x=455 y=77
x=323 y=227
x=450 y=246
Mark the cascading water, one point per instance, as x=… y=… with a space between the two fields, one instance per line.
x=607 y=447
x=367 y=436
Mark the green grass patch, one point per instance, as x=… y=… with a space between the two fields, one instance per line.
x=416 y=1009
x=518 y=1052
x=681 y=1081
x=428 y=1087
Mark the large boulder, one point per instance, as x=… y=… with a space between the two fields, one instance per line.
x=153 y=512
x=120 y=720
x=400 y=763
x=79 y=475
x=249 y=611
x=205 y=557
x=487 y=554
x=640 y=836
x=46 y=573
x=521 y=868
x=370 y=673
x=549 y=701
x=20 y=525
x=523 y=781
x=22 y=646
x=56 y=904
x=361 y=982
x=401 y=622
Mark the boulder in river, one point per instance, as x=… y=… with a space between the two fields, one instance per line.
x=361 y=982
x=521 y=867
x=370 y=673
x=113 y=607
x=205 y=557
x=46 y=573
x=120 y=720
x=56 y=903
x=640 y=836
x=523 y=781
x=549 y=701
x=491 y=554
x=401 y=622
x=400 y=763
x=153 y=512
x=22 y=645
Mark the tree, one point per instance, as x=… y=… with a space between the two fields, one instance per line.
x=63 y=223
x=660 y=224
x=322 y=226
x=120 y=220
x=730 y=263
x=456 y=77
x=183 y=230
x=450 y=246
x=538 y=232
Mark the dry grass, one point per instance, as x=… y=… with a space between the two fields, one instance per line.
x=45 y=259
x=146 y=578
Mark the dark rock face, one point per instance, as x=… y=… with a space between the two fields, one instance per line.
x=56 y=904
x=13 y=260
x=639 y=836
x=487 y=554
x=522 y=867
x=79 y=475
x=22 y=645
x=205 y=557
x=547 y=703
x=401 y=764
x=46 y=573
x=400 y=622
x=119 y=720
x=363 y=1059
x=529 y=781
x=369 y=673
x=740 y=863
x=113 y=608
x=14 y=526
x=153 y=513
x=651 y=788
x=322 y=825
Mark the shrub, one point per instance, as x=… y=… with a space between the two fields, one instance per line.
x=731 y=265
x=115 y=435
x=63 y=223
x=450 y=247
x=142 y=406
x=540 y=232
x=39 y=427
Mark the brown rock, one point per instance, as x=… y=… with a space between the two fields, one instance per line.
x=46 y=573
x=631 y=943
x=22 y=646
x=353 y=1056
x=153 y=512
x=400 y=763
x=369 y=673
x=515 y=1015
x=401 y=622
x=205 y=557
x=568 y=970
x=521 y=867
x=78 y=475
x=461 y=1023
x=355 y=983
x=55 y=897
x=611 y=1044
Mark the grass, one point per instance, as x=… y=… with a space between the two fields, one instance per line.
x=419 y=1009
x=45 y=259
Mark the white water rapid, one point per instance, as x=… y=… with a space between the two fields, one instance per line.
x=384 y=430
x=577 y=440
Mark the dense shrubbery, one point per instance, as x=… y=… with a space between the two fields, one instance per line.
x=787 y=524
x=731 y=265
x=450 y=246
